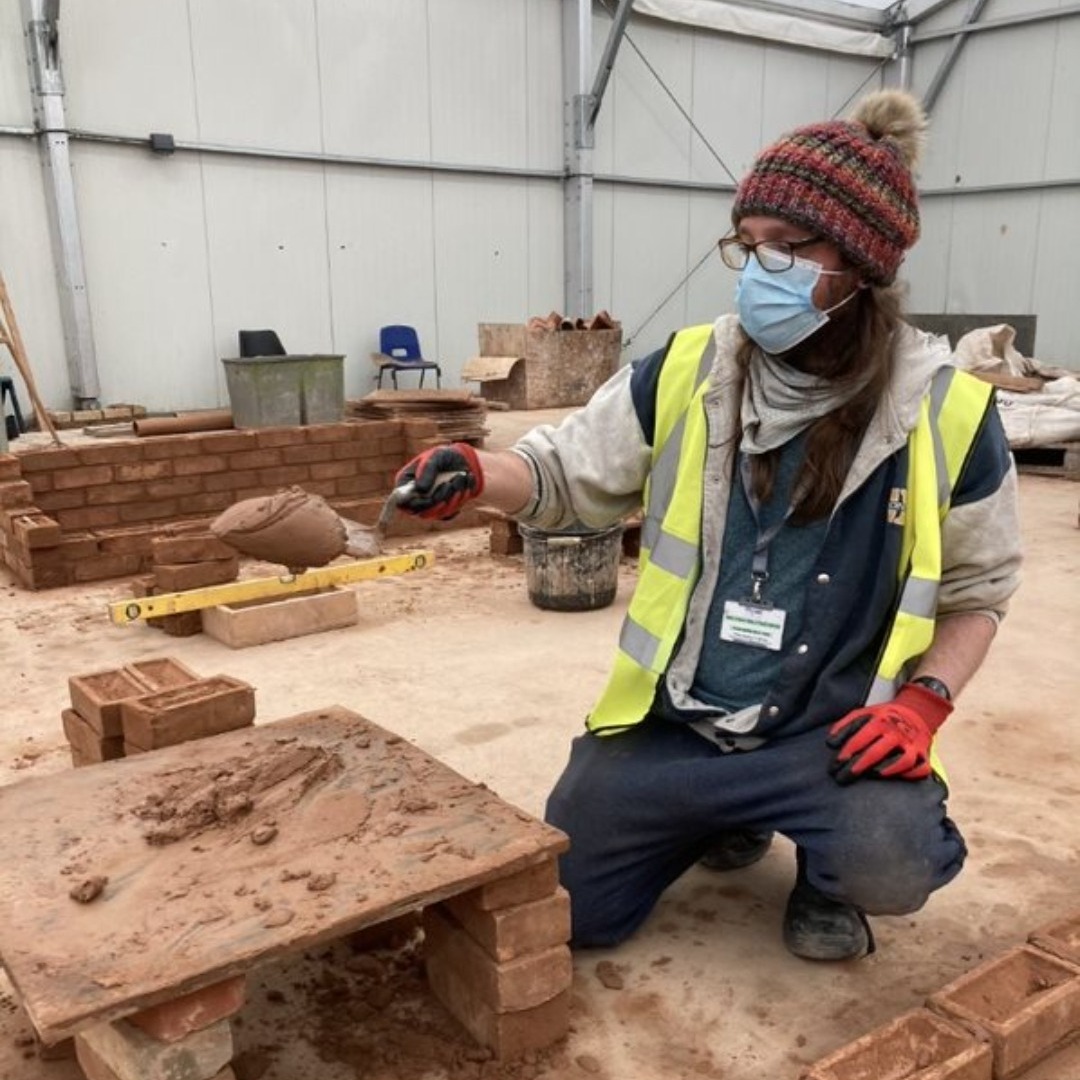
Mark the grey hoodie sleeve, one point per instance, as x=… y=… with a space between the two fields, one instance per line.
x=591 y=468
x=981 y=554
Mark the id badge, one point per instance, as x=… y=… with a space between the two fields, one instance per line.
x=752 y=624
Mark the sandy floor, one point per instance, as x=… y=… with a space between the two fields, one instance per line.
x=457 y=660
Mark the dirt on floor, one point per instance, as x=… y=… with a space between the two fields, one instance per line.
x=457 y=660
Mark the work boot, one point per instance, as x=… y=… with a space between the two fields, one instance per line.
x=817 y=928
x=736 y=848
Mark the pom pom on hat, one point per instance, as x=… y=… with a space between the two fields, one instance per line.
x=847 y=181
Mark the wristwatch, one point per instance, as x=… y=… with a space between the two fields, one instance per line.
x=934 y=685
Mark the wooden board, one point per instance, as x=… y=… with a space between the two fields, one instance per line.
x=368 y=827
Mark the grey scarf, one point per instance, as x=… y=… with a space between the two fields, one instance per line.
x=779 y=402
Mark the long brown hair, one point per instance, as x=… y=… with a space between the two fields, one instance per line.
x=850 y=349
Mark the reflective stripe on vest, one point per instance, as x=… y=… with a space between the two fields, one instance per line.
x=950 y=418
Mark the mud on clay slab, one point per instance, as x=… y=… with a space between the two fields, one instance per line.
x=222 y=853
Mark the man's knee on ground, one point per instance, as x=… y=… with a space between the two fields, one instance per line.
x=894 y=886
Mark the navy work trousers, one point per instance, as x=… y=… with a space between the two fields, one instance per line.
x=643 y=806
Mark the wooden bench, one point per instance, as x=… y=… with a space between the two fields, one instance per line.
x=222 y=854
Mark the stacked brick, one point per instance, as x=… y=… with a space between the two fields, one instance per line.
x=993 y=1023
x=88 y=513
x=497 y=958
x=184 y=559
x=189 y=1037
x=148 y=704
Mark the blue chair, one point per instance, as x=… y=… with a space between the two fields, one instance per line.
x=399 y=350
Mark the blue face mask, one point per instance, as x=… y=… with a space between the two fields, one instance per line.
x=777 y=309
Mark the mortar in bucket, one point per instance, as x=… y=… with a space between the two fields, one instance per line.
x=573 y=569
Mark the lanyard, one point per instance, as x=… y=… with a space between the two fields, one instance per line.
x=759 y=566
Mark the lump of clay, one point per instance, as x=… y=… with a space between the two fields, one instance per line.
x=291 y=527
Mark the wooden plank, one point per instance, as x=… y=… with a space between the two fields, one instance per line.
x=368 y=827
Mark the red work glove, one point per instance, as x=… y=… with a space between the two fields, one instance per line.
x=891 y=739
x=446 y=478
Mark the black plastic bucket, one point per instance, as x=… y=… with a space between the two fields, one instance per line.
x=572 y=571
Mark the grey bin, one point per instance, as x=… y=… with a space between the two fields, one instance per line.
x=285 y=391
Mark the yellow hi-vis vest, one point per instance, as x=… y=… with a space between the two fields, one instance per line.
x=950 y=417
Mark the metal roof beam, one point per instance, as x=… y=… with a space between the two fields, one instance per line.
x=998 y=24
x=959 y=39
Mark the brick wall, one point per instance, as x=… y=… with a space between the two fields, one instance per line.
x=87 y=513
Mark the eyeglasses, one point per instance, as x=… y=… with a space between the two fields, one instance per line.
x=776 y=256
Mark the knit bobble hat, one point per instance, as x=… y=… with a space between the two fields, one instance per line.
x=848 y=181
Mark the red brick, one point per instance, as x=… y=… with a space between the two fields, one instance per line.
x=352 y=451
x=232 y=481
x=82 y=476
x=302 y=455
x=169 y=508
x=45 y=578
x=283 y=476
x=103 y=567
x=1026 y=1001
x=330 y=470
x=328 y=433
x=86 y=744
x=96 y=697
x=174 y=1020
x=228 y=442
x=110 y=454
x=255 y=459
x=916 y=1043
x=143 y=470
x=176 y=488
x=510 y=986
x=40 y=481
x=287 y=436
x=40 y=558
x=507 y=1033
x=48 y=460
x=87 y=517
x=206 y=503
x=206 y=707
x=124 y=1051
x=115 y=494
x=37 y=531
x=60 y=500
x=143 y=585
x=190 y=548
x=16 y=493
x=1061 y=937
x=395 y=444
x=375 y=429
x=185 y=624
x=515 y=931
x=162 y=672
x=9 y=468
x=179 y=577
x=535 y=883
x=135 y=541
x=170 y=447
x=79 y=546
x=200 y=465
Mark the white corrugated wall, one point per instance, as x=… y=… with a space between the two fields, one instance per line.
x=182 y=251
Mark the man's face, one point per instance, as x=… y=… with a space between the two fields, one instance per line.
x=830 y=289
